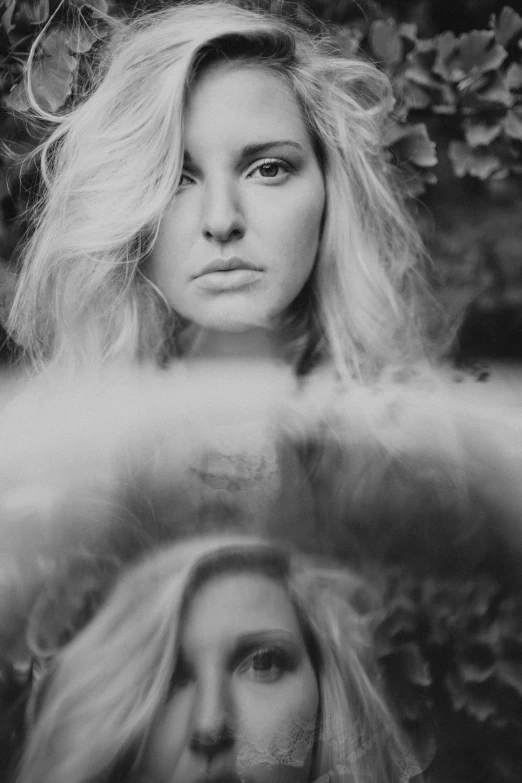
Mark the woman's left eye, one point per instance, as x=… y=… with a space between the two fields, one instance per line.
x=184 y=180
x=266 y=664
x=270 y=169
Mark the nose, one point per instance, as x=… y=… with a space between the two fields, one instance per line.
x=211 y=731
x=223 y=217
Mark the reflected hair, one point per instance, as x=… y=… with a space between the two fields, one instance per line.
x=108 y=685
x=112 y=165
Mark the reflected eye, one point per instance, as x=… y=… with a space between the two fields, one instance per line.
x=267 y=664
x=271 y=169
x=263 y=660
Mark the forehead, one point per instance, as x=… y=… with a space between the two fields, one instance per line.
x=233 y=605
x=232 y=100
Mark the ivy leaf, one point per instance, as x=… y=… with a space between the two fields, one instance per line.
x=507 y=26
x=411 y=144
x=481 y=133
x=510 y=674
x=420 y=63
x=416 y=97
x=415 y=154
x=423 y=88
x=399 y=622
x=513 y=123
x=476 y=162
x=446 y=101
x=510 y=617
x=480 y=708
x=410 y=665
x=445 y=65
x=467 y=58
x=51 y=77
x=409 y=32
x=52 y=74
x=7 y=17
x=456 y=690
x=479 y=52
x=473 y=672
x=386 y=43
x=414 y=667
x=80 y=39
x=31 y=12
x=496 y=91
x=514 y=77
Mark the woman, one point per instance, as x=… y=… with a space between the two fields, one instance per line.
x=219 y=190
x=219 y=659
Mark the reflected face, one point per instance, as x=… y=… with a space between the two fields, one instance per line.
x=240 y=237
x=245 y=699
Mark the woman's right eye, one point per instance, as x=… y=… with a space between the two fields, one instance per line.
x=266 y=664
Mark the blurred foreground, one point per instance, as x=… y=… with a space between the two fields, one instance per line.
x=416 y=486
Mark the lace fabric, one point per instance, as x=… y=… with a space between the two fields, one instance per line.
x=406 y=765
x=237 y=477
x=291 y=748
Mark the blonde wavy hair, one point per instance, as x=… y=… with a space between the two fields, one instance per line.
x=109 y=684
x=111 y=167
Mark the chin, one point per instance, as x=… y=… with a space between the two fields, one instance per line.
x=234 y=324
x=235 y=327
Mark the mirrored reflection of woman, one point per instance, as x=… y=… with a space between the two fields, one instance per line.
x=220 y=659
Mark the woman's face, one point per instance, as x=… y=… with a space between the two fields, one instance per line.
x=240 y=237
x=244 y=700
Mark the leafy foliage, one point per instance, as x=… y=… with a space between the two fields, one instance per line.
x=456 y=645
x=62 y=36
x=475 y=78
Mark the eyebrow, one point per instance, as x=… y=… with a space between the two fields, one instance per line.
x=250 y=150
x=266 y=633
x=248 y=641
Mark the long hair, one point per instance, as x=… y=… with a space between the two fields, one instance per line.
x=111 y=167
x=108 y=685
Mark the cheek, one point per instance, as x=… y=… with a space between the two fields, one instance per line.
x=299 y=228
x=175 y=235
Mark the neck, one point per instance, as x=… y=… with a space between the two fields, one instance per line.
x=251 y=344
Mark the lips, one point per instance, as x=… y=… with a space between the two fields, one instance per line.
x=228 y=274
x=227 y=265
